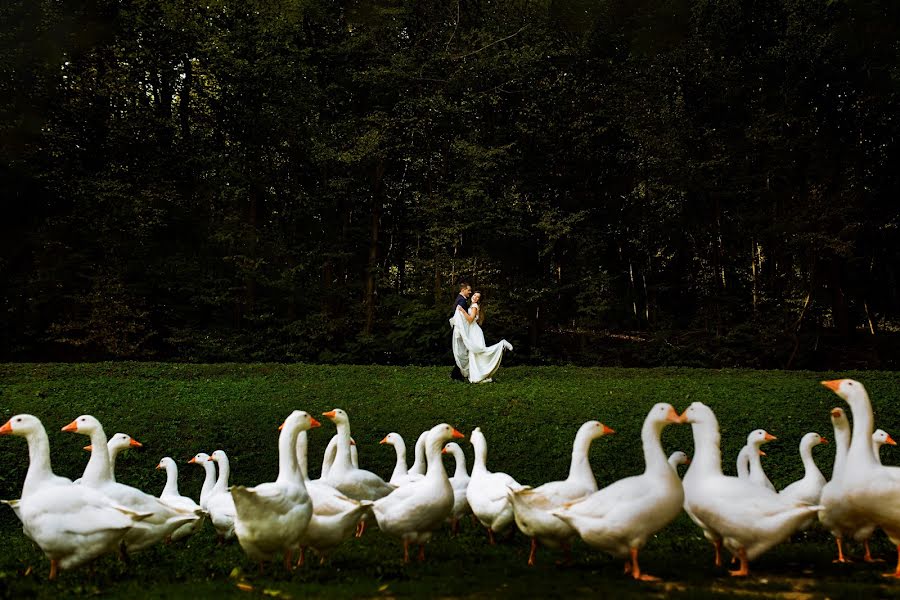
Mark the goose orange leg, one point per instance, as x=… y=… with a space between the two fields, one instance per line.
x=533 y=552
x=421 y=552
x=636 y=569
x=744 y=569
x=868 y=557
x=718 y=546
x=491 y=537
x=54 y=569
x=302 y=560
x=896 y=573
x=288 y=560
x=406 y=552
x=840 y=546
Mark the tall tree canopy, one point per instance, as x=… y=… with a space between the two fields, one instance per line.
x=698 y=182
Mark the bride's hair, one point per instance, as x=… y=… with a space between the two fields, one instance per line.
x=480 y=317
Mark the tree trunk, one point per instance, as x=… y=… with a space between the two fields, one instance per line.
x=372 y=266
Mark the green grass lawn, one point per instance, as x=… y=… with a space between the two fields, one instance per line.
x=529 y=417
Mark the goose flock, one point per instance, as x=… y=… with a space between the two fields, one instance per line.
x=76 y=522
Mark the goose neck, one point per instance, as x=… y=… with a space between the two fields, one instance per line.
x=224 y=472
x=342 y=458
x=460 y=464
x=98 y=469
x=171 y=488
x=39 y=468
x=654 y=457
x=860 y=452
x=707 y=455
x=301 y=452
x=580 y=465
x=288 y=468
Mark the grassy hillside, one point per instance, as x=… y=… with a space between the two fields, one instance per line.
x=529 y=417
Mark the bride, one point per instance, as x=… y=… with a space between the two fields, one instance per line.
x=477 y=361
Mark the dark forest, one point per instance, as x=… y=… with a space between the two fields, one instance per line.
x=629 y=182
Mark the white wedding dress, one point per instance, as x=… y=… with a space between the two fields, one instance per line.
x=475 y=360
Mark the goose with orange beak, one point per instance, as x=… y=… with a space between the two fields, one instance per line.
x=620 y=518
x=271 y=517
x=533 y=508
x=749 y=519
x=209 y=476
x=757 y=474
x=868 y=490
x=412 y=512
x=115 y=446
x=356 y=483
x=809 y=488
x=400 y=475
x=172 y=497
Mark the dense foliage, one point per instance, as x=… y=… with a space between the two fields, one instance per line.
x=529 y=418
x=695 y=182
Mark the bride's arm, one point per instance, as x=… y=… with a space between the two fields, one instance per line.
x=468 y=317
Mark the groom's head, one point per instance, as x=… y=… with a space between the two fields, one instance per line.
x=465 y=289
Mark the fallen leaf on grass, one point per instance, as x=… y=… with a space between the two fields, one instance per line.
x=245 y=587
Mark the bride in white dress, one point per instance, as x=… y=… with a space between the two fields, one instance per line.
x=477 y=361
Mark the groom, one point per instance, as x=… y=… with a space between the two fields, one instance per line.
x=462 y=302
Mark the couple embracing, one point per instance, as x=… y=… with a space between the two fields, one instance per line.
x=475 y=361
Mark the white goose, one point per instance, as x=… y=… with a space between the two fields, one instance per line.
x=678 y=458
x=809 y=488
x=755 y=439
x=163 y=519
x=356 y=483
x=836 y=516
x=335 y=516
x=488 y=493
x=460 y=483
x=879 y=439
x=72 y=524
x=220 y=504
x=533 y=508
x=413 y=511
x=870 y=490
x=621 y=517
x=209 y=477
x=271 y=517
x=748 y=518
x=400 y=475
x=172 y=497
x=115 y=446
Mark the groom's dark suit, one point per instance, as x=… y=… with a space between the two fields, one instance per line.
x=461 y=302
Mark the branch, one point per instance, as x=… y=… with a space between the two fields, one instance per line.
x=491 y=44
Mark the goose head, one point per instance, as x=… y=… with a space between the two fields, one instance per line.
x=596 y=429
x=758 y=437
x=199 y=459
x=851 y=391
x=812 y=439
x=21 y=425
x=679 y=458
x=663 y=414
x=218 y=456
x=839 y=418
x=166 y=463
x=391 y=439
x=441 y=434
x=123 y=441
x=881 y=437
x=451 y=448
x=299 y=420
x=85 y=425
x=699 y=414
x=337 y=416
